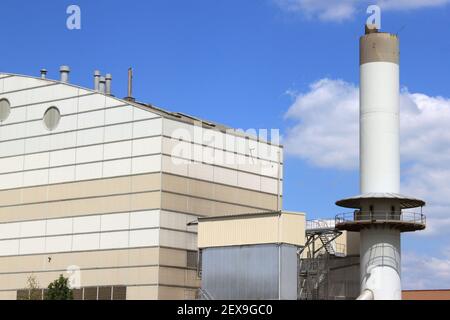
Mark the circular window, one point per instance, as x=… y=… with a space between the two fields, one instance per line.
x=51 y=118
x=5 y=109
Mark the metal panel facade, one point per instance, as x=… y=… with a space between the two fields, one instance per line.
x=250 y=272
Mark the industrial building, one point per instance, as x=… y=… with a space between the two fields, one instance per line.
x=276 y=255
x=370 y=266
x=151 y=204
x=108 y=186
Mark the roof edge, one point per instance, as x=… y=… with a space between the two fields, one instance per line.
x=176 y=116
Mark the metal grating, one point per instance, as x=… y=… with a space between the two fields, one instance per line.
x=23 y=294
x=78 y=294
x=119 y=293
x=104 y=293
x=192 y=259
x=90 y=293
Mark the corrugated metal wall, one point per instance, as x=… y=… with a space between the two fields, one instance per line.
x=250 y=272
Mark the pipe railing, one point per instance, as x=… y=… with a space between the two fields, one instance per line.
x=319 y=224
x=407 y=217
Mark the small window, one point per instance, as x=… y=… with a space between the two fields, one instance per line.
x=5 y=109
x=51 y=118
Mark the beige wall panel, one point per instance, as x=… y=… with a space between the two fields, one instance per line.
x=226 y=209
x=83 y=189
x=178 y=277
x=202 y=207
x=246 y=230
x=142 y=293
x=174 y=202
x=218 y=192
x=101 y=205
x=11 y=197
x=121 y=185
x=190 y=294
x=353 y=243
x=175 y=258
x=173 y=293
x=8 y=295
x=31 y=195
x=293 y=228
x=124 y=276
x=103 y=277
x=347 y=244
x=178 y=221
x=237 y=232
x=94 y=259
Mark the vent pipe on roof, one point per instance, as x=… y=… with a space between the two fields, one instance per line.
x=108 y=79
x=102 y=85
x=43 y=74
x=130 y=85
x=64 y=70
x=97 y=75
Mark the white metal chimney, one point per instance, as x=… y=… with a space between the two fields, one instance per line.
x=379 y=216
x=97 y=76
x=102 y=85
x=130 y=85
x=64 y=70
x=43 y=74
x=108 y=84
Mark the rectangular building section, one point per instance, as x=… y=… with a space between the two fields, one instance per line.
x=110 y=186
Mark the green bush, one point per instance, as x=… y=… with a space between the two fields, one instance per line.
x=59 y=290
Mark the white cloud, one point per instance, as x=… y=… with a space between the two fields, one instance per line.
x=425 y=271
x=410 y=4
x=339 y=10
x=326 y=10
x=325 y=133
x=327 y=129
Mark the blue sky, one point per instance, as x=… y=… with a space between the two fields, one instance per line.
x=245 y=64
